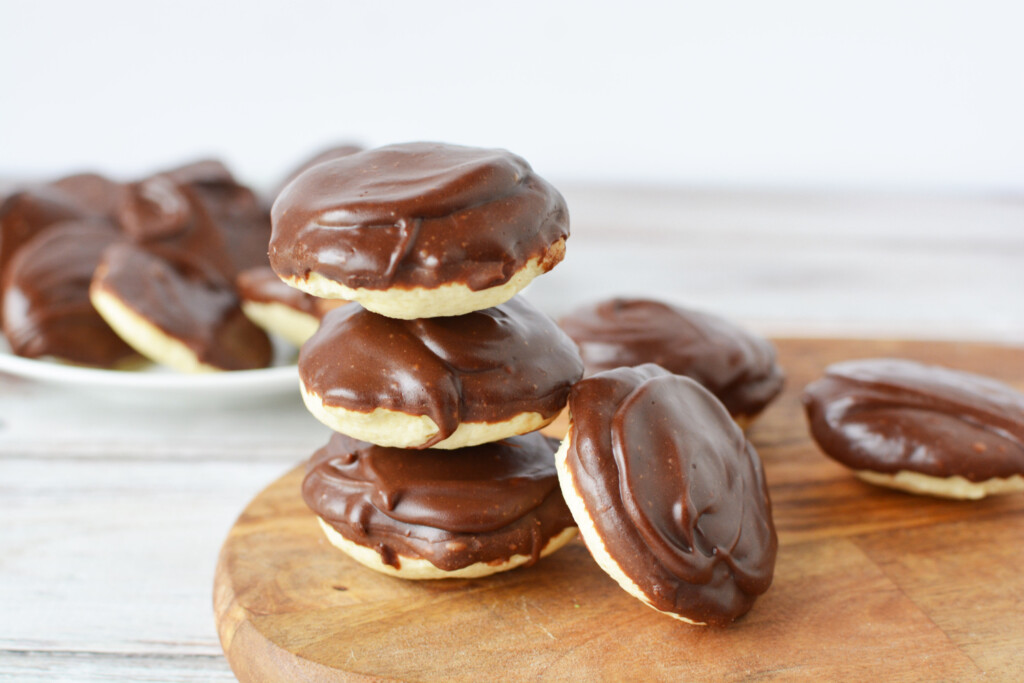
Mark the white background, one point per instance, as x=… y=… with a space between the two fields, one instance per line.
x=870 y=94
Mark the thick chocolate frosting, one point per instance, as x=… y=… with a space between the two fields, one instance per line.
x=95 y=194
x=485 y=366
x=416 y=215
x=675 y=490
x=453 y=508
x=28 y=212
x=888 y=415
x=45 y=288
x=186 y=299
x=736 y=366
x=328 y=154
x=197 y=209
x=204 y=171
x=262 y=285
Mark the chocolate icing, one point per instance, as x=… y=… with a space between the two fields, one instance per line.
x=676 y=492
x=262 y=285
x=95 y=194
x=46 y=308
x=736 y=366
x=888 y=415
x=206 y=171
x=326 y=155
x=485 y=366
x=26 y=213
x=416 y=215
x=453 y=508
x=200 y=210
x=186 y=299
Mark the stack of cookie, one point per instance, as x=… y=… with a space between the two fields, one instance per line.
x=437 y=382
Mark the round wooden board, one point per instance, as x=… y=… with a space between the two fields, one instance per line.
x=869 y=583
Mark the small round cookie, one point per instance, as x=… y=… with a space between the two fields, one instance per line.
x=418 y=230
x=668 y=494
x=45 y=291
x=281 y=309
x=436 y=515
x=733 y=364
x=176 y=310
x=920 y=428
x=438 y=382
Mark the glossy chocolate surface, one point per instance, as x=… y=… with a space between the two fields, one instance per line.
x=736 y=366
x=675 y=490
x=95 y=194
x=28 y=212
x=328 y=154
x=888 y=415
x=453 y=508
x=45 y=290
x=416 y=215
x=262 y=285
x=485 y=366
x=199 y=210
x=186 y=299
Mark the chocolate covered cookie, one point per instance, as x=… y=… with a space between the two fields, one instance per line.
x=735 y=365
x=418 y=230
x=45 y=290
x=440 y=514
x=438 y=382
x=668 y=494
x=920 y=428
x=176 y=309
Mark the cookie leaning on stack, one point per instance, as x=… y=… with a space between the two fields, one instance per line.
x=414 y=232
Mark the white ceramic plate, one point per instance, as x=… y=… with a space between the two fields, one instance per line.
x=161 y=384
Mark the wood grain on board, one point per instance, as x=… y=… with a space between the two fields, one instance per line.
x=869 y=582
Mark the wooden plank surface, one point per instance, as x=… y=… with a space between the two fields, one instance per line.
x=870 y=583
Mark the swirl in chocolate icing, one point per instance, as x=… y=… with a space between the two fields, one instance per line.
x=46 y=309
x=736 y=366
x=185 y=299
x=416 y=215
x=453 y=508
x=485 y=366
x=676 y=493
x=888 y=415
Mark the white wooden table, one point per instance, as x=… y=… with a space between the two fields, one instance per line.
x=112 y=512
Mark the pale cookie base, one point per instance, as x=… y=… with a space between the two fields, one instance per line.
x=417 y=568
x=295 y=326
x=401 y=430
x=595 y=544
x=943 y=487
x=145 y=337
x=421 y=302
